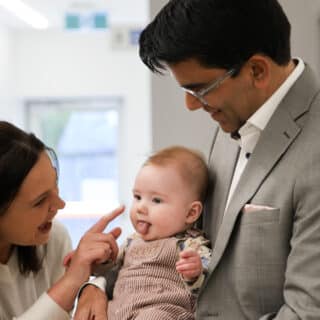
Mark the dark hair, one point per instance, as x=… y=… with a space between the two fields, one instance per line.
x=217 y=33
x=19 y=151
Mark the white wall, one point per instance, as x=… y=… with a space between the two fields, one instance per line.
x=7 y=76
x=305 y=34
x=55 y=64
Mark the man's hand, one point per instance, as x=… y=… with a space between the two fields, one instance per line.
x=92 y=304
x=189 y=265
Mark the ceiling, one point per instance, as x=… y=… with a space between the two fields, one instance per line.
x=119 y=12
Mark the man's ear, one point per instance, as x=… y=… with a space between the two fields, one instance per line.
x=260 y=70
x=194 y=212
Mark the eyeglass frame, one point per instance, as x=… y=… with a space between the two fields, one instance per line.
x=200 y=94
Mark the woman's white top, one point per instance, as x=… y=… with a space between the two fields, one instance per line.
x=25 y=298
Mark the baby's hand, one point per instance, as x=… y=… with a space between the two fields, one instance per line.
x=189 y=265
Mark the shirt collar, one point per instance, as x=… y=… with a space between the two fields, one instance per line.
x=249 y=133
x=262 y=116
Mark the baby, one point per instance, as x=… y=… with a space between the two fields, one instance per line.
x=160 y=268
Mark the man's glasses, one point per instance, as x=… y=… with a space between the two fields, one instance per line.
x=200 y=94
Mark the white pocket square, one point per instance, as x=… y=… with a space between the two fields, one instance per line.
x=255 y=207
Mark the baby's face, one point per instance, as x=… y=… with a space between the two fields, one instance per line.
x=161 y=202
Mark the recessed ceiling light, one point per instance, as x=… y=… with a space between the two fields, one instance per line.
x=26 y=13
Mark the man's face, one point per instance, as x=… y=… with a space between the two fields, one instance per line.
x=230 y=104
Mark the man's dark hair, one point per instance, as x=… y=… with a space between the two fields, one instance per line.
x=217 y=33
x=19 y=152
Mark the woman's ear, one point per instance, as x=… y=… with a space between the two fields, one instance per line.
x=194 y=212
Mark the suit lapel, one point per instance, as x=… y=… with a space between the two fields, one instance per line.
x=279 y=134
x=273 y=143
x=221 y=164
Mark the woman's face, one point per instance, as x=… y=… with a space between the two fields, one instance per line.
x=28 y=220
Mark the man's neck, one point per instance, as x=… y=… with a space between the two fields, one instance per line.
x=280 y=76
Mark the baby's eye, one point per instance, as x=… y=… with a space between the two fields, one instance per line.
x=137 y=196
x=156 y=200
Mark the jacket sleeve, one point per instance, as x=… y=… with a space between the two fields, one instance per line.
x=301 y=291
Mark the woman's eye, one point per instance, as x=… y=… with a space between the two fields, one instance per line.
x=156 y=200
x=39 y=203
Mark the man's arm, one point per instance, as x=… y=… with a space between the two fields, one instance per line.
x=301 y=290
x=92 y=304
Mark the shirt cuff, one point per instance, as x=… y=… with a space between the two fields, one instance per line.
x=99 y=282
x=44 y=308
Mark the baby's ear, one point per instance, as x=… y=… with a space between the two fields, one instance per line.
x=194 y=212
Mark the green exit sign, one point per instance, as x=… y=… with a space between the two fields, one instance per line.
x=94 y=20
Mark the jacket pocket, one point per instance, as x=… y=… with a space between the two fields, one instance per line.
x=259 y=216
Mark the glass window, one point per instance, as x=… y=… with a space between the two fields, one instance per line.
x=84 y=134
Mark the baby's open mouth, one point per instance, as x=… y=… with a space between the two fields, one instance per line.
x=142 y=227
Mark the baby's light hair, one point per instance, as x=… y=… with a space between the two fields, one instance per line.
x=189 y=163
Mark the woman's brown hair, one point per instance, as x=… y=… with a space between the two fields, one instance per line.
x=19 y=152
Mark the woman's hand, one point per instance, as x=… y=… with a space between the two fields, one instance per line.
x=92 y=304
x=94 y=247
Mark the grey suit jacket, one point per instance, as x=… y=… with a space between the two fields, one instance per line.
x=266 y=261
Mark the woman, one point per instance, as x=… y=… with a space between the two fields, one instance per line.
x=33 y=282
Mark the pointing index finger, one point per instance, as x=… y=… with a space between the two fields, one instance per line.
x=106 y=219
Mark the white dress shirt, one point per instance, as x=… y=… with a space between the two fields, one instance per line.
x=250 y=132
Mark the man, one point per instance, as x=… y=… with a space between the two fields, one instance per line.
x=232 y=59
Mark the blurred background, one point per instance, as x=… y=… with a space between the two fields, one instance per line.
x=70 y=73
